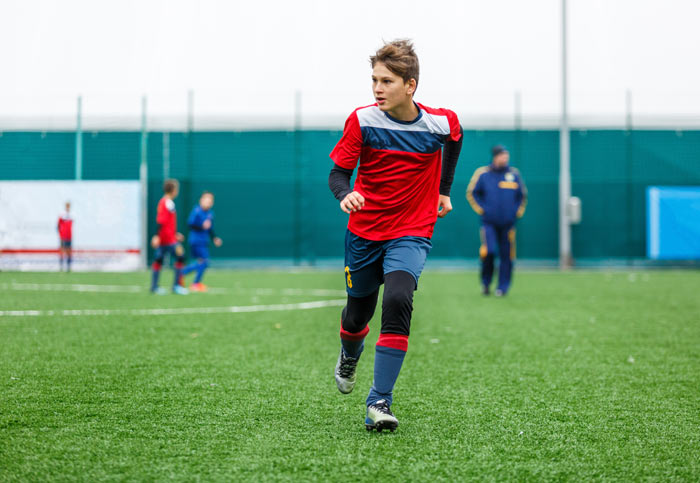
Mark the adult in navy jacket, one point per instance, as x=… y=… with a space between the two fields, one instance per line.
x=498 y=194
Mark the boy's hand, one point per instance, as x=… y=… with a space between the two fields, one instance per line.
x=352 y=202
x=155 y=241
x=444 y=206
x=180 y=237
x=217 y=241
x=207 y=224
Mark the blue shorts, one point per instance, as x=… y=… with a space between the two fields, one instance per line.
x=199 y=250
x=367 y=261
x=173 y=250
x=66 y=243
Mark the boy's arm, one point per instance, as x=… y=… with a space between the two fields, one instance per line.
x=339 y=182
x=193 y=222
x=450 y=156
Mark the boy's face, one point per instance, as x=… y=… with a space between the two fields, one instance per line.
x=206 y=201
x=390 y=91
x=67 y=206
x=175 y=192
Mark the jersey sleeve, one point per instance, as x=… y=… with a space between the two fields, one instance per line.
x=347 y=151
x=161 y=213
x=192 y=221
x=455 y=128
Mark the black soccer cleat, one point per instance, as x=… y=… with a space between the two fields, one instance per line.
x=485 y=290
x=380 y=417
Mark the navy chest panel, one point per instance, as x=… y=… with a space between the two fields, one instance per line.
x=408 y=141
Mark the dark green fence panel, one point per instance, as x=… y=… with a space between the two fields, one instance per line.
x=111 y=155
x=272 y=198
x=610 y=172
x=37 y=155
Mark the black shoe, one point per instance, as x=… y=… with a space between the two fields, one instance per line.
x=485 y=290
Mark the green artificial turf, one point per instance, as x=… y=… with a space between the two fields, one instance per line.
x=572 y=376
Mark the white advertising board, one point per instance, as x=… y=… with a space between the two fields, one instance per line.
x=107 y=224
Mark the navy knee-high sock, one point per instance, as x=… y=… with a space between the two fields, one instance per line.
x=353 y=342
x=390 y=352
x=156 y=275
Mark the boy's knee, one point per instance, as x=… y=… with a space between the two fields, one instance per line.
x=358 y=312
x=397 y=305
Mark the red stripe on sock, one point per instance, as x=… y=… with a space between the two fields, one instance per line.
x=179 y=265
x=393 y=341
x=156 y=266
x=354 y=336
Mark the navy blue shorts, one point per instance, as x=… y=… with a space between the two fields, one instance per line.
x=367 y=261
x=66 y=243
x=199 y=250
x=173 y=250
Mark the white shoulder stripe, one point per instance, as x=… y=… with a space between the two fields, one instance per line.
x=372 y=116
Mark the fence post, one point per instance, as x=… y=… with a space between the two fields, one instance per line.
x=79 y=140
x=297 y=155
x=565 y=258
x=143 y=178
x=629 y=193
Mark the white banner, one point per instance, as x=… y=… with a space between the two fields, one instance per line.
x=106 y=224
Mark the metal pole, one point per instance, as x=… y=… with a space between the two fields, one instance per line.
x=143 y=177
x=166 y=155
x=518 y=124
x=565 y=259
x=79 y=140
x=187 y=182
x=628 y=175
x=296 y=215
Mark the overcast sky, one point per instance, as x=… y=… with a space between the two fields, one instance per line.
x=251 y=56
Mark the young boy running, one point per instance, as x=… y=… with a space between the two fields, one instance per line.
x=201 y=223
x=407 y=156
x=167 y=241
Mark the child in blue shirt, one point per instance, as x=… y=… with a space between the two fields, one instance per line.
x=201 y=223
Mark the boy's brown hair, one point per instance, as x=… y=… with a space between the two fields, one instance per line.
x=399 y=57
x=170 y=185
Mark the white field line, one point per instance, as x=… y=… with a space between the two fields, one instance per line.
x=73 y=287
x=70 y=287
x=177 y=311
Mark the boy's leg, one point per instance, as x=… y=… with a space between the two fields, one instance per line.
x=195 y=263
x=353 y=323
x=69 y=257
x=487 y=252
x=179 y=252
x=202 y=254
x=202 y=265
x=156 y=267
x=506 y=253
x=363 y=276
x=404 y=259
x=392 y=345
x=61 y=252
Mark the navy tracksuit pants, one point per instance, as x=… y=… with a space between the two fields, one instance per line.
x=497 y=239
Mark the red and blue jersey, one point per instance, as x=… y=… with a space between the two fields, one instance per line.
x=166 y=218
x=399 y=169
x=65 y=227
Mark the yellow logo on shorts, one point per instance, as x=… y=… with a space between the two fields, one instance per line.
x=347 y=276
